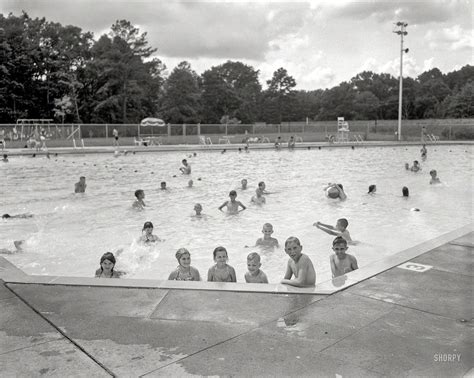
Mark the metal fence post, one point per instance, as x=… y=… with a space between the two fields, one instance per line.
x=199 y=128
x=169 y=129
x=106 y=131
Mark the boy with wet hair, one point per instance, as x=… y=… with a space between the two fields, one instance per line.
x=299 y=265
x=232 y=205
x=341 y=262
x=255 y=274
x=267 y=240
x=339 y=230
x=434 y=177
x=186 y=168
x=80 y=187
x=139 y=203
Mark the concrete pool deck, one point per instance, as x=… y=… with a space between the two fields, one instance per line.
x=393 y=320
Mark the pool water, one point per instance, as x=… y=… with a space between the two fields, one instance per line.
x=69 y=232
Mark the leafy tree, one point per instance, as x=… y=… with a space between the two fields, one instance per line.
x=123 y=86
x=230 y=89
x=461 y=105
x=280 y=97
x=338 y=102
x=366 y=105
x=182 y=96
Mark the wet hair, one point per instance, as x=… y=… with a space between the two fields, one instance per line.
x=219 y=249
x=343 y=222
x=147 y=225
x=82 y=177
x=108 y=256
x=5 y=216
x=138 y=192
x=261 y=183
x=5 y=156
x=340 y=186
x=253 y=256
x=371 y=188
x=268 y=225
x=405 y=191
x=232 y=193
x=163 y=183
x=184 y=161
x=198 y=204
x=180 y=252
x=433 y=171
x=292 y=239
x=339 y=240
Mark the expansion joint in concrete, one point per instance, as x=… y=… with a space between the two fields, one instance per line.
x=60 y=331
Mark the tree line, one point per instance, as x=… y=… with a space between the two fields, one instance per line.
x=48 y=70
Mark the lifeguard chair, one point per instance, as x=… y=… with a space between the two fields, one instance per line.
x=342 y=131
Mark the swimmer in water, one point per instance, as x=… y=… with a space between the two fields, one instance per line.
x=18 y=248
x=339 y=230
x=148 y=237
x=243 y=182
x=80 y=186
x=405 y=192
x=5 y=158
x=221 y=271
x=416 y=166
x=232 y=205
x=139 y=203
x=423 y=152
x=434 y=177
x=258 y=198
x=25 y=215
x=372 y=189
x=186 y=168
x=267 y=240
x=163 y=185
x=335 y=191
x=184 y=271
x=198 y=210
x=107 y=264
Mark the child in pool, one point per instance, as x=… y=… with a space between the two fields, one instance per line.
x=139 y=203
x=372 y=189
x=416 y=166
x=267 y=240
x=434 y=177
x=255 y=274
x=184 y=271
x=299 y=265
x=339 y=230
x=341 y=262
x=80 y=186
x=221 y=271
x=405 y=192
x=258 y=198
x=198 y=210
x=243 y=182
x=335 y=191
x=106 y=270
x=186 y=168
x=232 y=205
x=148 y=237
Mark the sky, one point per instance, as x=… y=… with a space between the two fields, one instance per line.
x=320 y=43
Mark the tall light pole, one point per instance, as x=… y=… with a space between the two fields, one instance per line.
x=402 y=25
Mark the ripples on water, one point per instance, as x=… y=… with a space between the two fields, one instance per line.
x=70 y=232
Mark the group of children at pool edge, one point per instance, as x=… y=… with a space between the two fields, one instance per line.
x=299 y=265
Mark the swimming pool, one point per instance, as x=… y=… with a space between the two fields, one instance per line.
x=70 y=232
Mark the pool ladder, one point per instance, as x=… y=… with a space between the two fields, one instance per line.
x=74 y=143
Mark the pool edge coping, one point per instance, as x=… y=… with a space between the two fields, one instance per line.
x=11 y=274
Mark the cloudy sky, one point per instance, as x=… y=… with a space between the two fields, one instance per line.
x=320 y=43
